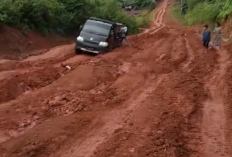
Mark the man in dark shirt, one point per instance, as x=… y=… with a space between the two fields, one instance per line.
x=206 y=36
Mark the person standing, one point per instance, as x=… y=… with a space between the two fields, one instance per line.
x=124 y=33
x=206 y=36
x=217 y=32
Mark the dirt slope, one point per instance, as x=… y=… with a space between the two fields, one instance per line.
x=15 y=44
x=165 y=96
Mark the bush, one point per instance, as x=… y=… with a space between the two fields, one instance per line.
x=111 y=10
x=38 y=15
x=208 y=11
x=141 y=3
x=201 y=13
x=60 y=16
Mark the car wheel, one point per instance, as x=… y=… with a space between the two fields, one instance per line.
x=120 y=44
x=77 y=51
x=109 y=49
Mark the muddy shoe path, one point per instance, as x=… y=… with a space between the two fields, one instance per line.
x=164 y=96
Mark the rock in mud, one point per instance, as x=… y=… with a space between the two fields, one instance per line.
x=35 y=117
x=162 y=57
x=28 y=121
x=160 y=142
x=68 y=67
x=56 y=102
x=13 y=133
x=22 y=125
x=132 y=150
x=159 y=132
x=18 y=110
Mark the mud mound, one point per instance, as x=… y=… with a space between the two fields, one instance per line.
x=14 y=86
x=55 y=56
x=168 y=138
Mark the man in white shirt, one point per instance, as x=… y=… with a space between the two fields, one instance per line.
x=123 y=33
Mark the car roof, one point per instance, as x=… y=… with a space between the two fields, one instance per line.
x=120 y=24
x=101 y=20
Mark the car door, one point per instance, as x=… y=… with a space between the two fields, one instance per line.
x=118 y=38
x=111 y=40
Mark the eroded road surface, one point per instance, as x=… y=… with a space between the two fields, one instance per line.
x=164 y=96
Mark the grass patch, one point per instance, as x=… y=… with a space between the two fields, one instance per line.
x=151 y=15
x=144 y=19
x=141 y=21
x=176 y=14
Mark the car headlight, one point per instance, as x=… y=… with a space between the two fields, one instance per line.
x=80 y=38
x=103 y=44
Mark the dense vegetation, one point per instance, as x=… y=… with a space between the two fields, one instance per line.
x=60 y=16
x=206 y=10
x=141 y=3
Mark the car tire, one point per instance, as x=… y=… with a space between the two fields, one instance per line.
x=77 y=51
x=109 y=48
x=120 y=44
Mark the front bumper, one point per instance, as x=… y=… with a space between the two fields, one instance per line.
x=88 y=47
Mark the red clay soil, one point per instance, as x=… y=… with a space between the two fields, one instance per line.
x=15 y=44
x=165 y=96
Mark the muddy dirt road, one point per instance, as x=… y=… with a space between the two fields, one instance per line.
x=164 y=96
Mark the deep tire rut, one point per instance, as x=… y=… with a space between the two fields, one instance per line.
x=214 y=115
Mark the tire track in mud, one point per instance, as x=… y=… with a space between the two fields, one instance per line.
x=190 y=56
x=214 y=116
x=181 y=128
x=158 y=21
x=175 y=60
x=113 y=121
x=166 y=114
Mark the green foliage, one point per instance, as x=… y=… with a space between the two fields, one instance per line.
x=226 y=8
x=204 y=12
x=38 y=15
x=176 y=13
x=111 y=10
x=60 y=16
x=141 y=3
x=192 y=3
x=145 y=18
x=207 y=10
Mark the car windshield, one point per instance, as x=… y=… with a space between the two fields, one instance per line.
x=95 y=27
